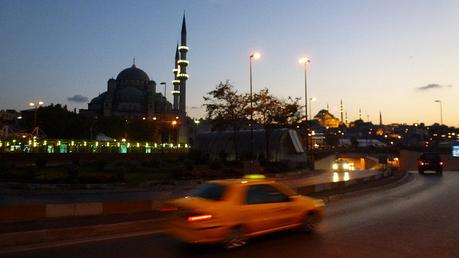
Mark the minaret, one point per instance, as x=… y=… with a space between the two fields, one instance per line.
x=380 y=118
x=341 y=110
x=360 y=113
x=182 y=64
x=345 y=115
x=176 y=82
x=328 y=107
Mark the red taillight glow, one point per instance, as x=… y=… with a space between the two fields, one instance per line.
x=199 y=217
x=421 y=163
x=441 y=163
x=166 y=209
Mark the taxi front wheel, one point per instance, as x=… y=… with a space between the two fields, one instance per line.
x=310 y=222
x=236 y=238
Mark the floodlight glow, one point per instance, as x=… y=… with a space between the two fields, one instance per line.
x=304 y=60
x=255 y=55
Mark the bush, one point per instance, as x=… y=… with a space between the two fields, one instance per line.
x=41 y=163
x=236 y=164
x=198 y=157
x=189 y=164
x=276 y=166
x=100 y=164
x=223 y=156
x=31 y=173
x=155 y=163
x=72 y=172
x=76 y=160
x=215 y=165
x=3 y=165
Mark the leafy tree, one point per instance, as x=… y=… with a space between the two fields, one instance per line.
x=271 y=112
x=227 y=109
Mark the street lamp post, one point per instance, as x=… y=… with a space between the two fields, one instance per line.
x=305 y=61
x=251 y=57
x=36 y=105
x=441 y=111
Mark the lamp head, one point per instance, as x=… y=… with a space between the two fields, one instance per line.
x=304 y=60
x=255 y=55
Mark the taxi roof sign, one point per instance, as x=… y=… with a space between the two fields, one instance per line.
x=254 y=176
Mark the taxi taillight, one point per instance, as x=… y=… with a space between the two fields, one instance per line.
x=441 y=163
x=200 y=217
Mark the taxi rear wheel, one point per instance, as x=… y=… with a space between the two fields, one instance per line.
x=310 y=222
x=235 y=239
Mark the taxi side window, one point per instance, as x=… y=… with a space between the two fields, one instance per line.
x=258 y=194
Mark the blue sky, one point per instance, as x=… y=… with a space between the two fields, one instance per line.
x=372 y=54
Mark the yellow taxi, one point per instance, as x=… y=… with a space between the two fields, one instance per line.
x=233 y=210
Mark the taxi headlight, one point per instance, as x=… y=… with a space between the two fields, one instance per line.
x=335 y=166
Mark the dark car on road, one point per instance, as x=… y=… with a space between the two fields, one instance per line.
x=430 y=161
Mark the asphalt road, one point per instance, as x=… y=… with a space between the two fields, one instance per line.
x=417 y=219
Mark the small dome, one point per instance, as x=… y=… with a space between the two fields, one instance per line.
x=130 y=94
x=133 y=73
x=99 y=99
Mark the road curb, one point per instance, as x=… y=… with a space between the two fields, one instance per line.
x=342 y=184
x=20 y=241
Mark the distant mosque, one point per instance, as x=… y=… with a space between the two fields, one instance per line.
x=133 y=95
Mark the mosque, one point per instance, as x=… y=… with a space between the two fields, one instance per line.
x=133 y=94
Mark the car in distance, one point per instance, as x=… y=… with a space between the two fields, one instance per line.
x=341 y=165
x=430 y=161
x=233 y=210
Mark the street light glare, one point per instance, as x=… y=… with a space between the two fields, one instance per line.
x=41 y=103
x=31 y=104
x=255 y=55
x=304 y=60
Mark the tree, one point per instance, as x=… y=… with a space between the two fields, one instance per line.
x=271 y=112
x=227 y=109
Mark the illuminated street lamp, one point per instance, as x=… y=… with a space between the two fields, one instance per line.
x=441 y=111
x=36 y=105
x=305 y=61
x=252 y=56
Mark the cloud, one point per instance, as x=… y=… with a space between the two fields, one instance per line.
x=78 y=99
x=433 y=86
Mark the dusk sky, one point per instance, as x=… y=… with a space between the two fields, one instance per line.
x=391 y=56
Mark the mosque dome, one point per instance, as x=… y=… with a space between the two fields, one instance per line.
x=132 y=73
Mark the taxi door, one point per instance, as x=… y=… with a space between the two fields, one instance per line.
x=264 y=208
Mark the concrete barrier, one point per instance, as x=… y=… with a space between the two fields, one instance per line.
x=17 y=213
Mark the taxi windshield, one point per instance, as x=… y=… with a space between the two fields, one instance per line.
x=210 y=191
